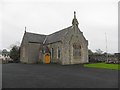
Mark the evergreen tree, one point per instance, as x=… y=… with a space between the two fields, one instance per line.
x=15 y=53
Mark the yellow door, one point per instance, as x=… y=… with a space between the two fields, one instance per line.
x=47 y=58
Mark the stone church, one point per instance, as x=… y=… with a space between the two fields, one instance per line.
x=67 y=46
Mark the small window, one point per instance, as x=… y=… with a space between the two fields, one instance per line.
x=58 y=52
x=52 y=52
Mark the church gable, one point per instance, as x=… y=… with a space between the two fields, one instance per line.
x=24 y=40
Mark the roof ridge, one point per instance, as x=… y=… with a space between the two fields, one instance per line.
x=44 y=39
x=36 y=33
x=59 y=30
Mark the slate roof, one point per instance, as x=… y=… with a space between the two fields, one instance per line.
x=36 y=38
x=54 y=37
x=45 y=39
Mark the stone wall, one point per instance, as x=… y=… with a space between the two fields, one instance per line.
x=33 y=52
x=24 y=53
x=24 y=50
x=103 y=58
x=55 y=46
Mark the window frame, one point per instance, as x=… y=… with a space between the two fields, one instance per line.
x=76 y=50
x=52 y=52
x=58 y=53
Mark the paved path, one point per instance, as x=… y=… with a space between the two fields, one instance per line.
x=57 y=76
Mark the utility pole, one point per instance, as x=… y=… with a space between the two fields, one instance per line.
x=106 y=47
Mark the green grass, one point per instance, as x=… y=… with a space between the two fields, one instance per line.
x=103 y=65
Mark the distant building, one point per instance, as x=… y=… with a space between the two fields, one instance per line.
x=67 y=46
x=4 y=56
x=5 y=53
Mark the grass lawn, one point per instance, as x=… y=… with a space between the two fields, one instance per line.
x=103 y=65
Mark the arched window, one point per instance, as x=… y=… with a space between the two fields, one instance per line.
x=52 y=52
x=58 y=52
x=76 y=50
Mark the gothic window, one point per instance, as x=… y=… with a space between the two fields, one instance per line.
x=52 y=52
x=58 y=52
x=76 y=50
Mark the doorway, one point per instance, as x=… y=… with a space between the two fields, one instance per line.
x=47 y=58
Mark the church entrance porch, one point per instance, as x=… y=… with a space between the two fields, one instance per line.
x=47 y=58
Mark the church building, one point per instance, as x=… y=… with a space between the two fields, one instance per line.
x=67 y=46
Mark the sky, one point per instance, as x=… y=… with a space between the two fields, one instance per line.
x=95 y=17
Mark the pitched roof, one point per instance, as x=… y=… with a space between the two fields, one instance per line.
x=45 y=39
x=33 y=37
x=54 y=37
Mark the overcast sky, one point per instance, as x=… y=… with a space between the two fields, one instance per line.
x=95 y=17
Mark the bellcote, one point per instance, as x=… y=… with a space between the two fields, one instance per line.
x=75 y=21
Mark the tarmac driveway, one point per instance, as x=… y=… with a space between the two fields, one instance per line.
x=17 y=75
